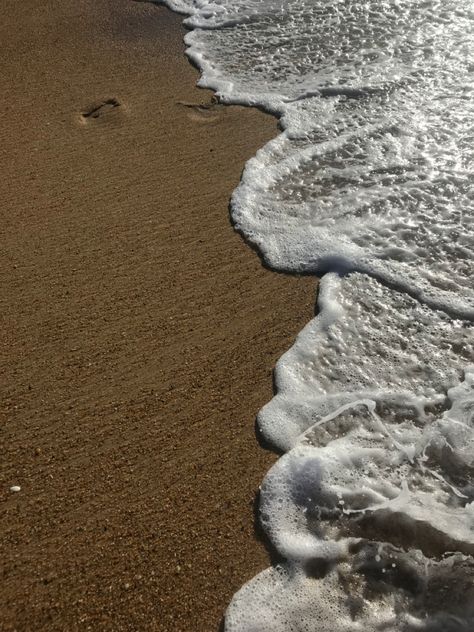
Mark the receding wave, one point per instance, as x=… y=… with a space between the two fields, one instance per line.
x=370 y=183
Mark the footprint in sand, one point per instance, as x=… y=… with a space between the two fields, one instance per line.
x=203 y=112
x=100 y=109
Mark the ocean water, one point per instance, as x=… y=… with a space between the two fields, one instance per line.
x=369 y=185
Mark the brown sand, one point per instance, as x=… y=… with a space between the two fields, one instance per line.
x=138 y=330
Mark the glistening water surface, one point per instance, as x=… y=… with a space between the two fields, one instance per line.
x=371 y=184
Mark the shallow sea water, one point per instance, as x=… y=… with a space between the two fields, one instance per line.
x=370 y=184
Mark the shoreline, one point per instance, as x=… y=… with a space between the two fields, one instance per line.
x=140 y=330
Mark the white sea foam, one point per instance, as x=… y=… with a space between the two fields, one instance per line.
x=367 y=510
x=368 y=342
x=371 y=509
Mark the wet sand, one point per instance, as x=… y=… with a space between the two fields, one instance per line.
x=139 y=332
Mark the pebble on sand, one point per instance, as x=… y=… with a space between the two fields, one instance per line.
x=15 y=488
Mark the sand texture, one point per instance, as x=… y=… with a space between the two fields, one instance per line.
x=138 y=330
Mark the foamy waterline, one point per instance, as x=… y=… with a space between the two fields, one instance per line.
x=369 y=183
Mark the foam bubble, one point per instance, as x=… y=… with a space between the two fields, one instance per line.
x=378 y=588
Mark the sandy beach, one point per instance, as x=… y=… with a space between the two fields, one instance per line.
x=139 y=332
